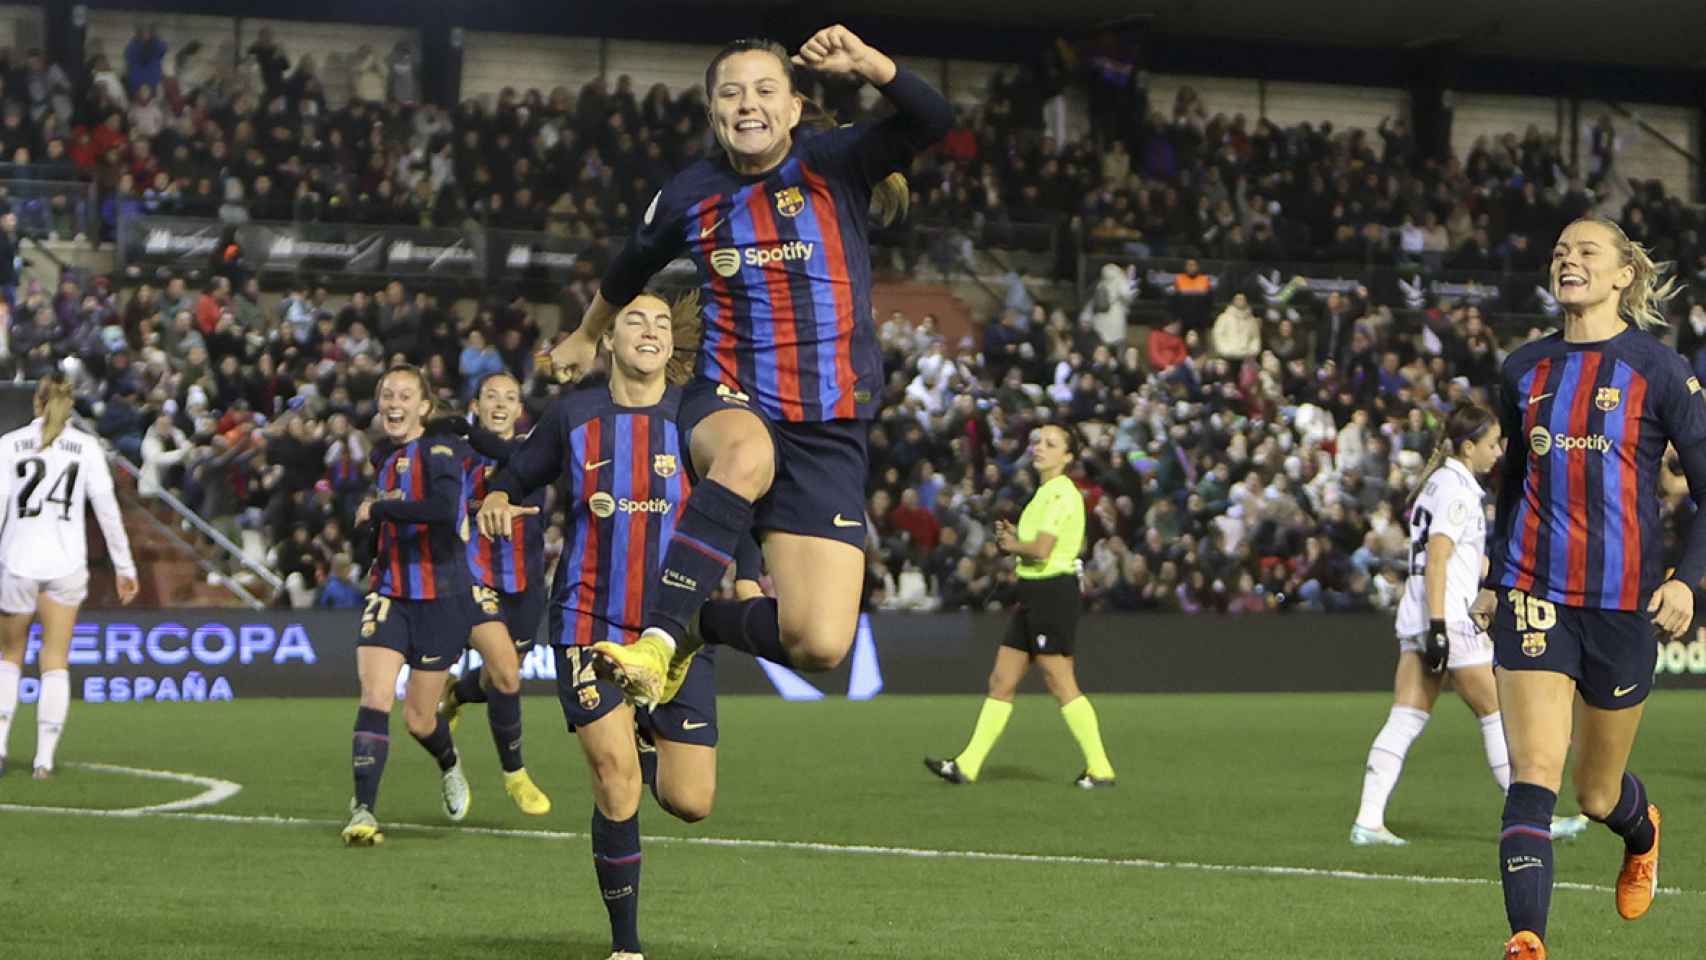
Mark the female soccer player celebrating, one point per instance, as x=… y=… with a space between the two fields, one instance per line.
x=789 y=367
x=1044 y=627
x=508 y=575
x=1448 y=530
x=49 y=471
x=421 y=604
x=621 y=454
x=1575 y=583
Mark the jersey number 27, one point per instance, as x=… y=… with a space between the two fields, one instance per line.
x=31 y=473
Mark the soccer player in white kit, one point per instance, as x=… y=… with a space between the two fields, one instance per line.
x=1448 y=534
x=48 y=471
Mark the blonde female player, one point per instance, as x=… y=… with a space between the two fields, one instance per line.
x=49 y=471
x=1044 y=627
x=1576 y=581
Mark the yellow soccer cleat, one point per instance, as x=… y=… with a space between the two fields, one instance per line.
x=639 y=668
x=526 y=793
x=1638 y=881
x=679 y=663
x=362 y=829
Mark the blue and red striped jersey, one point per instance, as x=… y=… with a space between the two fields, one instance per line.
x=1578 y=520
x=784 y=259
x=422 y=520
x=515 y=564
x=626 y=480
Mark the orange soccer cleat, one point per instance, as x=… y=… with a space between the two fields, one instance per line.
x=1639 y=879
x=1525 y=946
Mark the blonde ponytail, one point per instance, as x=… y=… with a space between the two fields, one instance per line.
x=890 y=200
x=685 y=332
x=53 y=403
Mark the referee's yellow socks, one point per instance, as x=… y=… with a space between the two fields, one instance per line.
x=991 y=720
x=1081 y=720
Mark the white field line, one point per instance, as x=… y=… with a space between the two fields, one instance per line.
x=1138 y=863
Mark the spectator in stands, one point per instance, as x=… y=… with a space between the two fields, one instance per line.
x=144 y=58
x=164 y=448
x=368 y=77
x=1237 y=332
x=402 y=85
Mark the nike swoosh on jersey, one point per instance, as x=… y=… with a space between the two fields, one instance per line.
x=690 y=725
x=707 y=231
x=842 y=521
x=595 y=464
x=1534 y=400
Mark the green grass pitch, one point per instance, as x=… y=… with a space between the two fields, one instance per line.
x=1255 y=781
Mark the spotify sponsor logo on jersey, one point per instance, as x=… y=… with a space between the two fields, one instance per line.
x=727 y=260
x=604 y=505
x=1543 y=441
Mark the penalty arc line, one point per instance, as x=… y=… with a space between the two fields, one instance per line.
x=828 y=848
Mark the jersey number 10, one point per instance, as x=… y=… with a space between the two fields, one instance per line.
x=32 y=472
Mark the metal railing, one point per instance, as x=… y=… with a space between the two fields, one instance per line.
x=62 y=208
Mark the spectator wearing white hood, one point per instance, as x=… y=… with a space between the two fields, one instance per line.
x=1237 y=332
x=1108 y=307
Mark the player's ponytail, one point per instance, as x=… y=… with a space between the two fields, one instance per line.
x=1642 y=302
x=53 y=404
x=1466 y=423
x=685 y=333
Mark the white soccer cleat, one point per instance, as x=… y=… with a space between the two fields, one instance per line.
x=1569 y=828
x=362 y=829
x=456 y=793
x=1362 y=836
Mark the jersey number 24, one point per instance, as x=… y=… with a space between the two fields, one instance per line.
x=61 y=492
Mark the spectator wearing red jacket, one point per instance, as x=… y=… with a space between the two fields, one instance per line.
x=1166 y=346
x=918 y=522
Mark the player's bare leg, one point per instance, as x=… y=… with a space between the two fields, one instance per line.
x=14 y=638
x=1060 y=674
x=687 y=779
x=432 y=732
x=54 y=705
x=1612 y=795
x=1010 y=667
x=1537 y=709
x=1414 y=693
x=818 y=583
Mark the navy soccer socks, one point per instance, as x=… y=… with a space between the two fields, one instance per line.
x=751 y=626
x=616 y=857
x=1525 y=857
x=439 y=744
x=367 y=754
x=698 y=554
x=1629 y=818
x=504 y=713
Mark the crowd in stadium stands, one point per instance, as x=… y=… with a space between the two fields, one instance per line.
x=1239 y=457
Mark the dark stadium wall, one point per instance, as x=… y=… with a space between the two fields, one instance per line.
x=120 y=656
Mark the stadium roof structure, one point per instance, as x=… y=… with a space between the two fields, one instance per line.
x=1659 y=33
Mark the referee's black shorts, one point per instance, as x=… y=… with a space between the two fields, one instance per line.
x=1046 y=620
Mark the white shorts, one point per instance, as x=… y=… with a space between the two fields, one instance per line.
x=18 y=594
x=1469 y=647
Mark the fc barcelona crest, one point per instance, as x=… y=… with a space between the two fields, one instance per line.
x=664 y=465
x=588 y=696
x=1607 y=399
x=1534 y=644
x=790 y=201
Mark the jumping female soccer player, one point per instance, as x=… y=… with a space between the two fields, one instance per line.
x=789 y=367
x=1044 y=628
x=1575 y=584
x=508 y=576
x=48 y=471
x=622 y=455
x=421 y=605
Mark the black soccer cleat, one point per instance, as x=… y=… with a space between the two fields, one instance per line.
x=946 y=769
x=1087 y=782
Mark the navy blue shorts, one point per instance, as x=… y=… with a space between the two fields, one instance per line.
x=522 y=614
x=1611 y=653
x=819 y=490
x=430 y=634
x=584 y=697
x=692 y=716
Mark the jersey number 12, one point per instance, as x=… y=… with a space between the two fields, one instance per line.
x=31 y=473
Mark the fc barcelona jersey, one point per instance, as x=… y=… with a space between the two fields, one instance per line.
x=625 y=477
x=1586 y=426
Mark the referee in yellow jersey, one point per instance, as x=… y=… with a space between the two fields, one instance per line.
x=1045 y=625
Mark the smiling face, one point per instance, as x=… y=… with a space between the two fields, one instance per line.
x=499 y=404
x=753 y=109
x=642 y=339
x=403 y=404
x=1587 y=269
